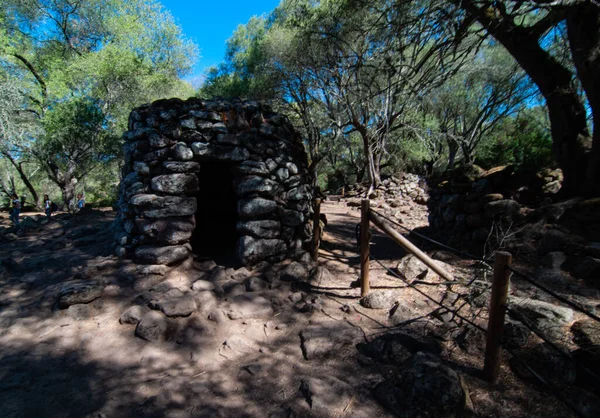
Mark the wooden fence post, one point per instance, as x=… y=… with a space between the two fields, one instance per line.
x=364 y=247
x=316 y=229
x=493 y=348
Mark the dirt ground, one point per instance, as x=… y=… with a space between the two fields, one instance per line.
x=81 y=362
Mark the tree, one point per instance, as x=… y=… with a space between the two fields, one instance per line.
x=471 y=104
x=524 y=28
x=107 y=55
x=15 y=124
x=74 y=143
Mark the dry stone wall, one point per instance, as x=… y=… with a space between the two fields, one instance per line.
x=466 y=205
x=165 y=147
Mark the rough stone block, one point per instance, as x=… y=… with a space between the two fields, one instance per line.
x=153 y=206
x=251 y=250
x=161 y=255
x=175 y=183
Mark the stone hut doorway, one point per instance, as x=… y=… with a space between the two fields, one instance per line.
x=215 y=236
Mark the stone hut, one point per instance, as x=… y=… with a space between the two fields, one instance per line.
x=226 y=180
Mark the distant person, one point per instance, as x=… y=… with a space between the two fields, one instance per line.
x=80 y=201
x=48 y=206
x=16 y=210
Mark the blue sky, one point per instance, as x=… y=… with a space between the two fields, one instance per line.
x=210 y=23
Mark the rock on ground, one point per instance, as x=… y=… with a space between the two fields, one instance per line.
x=423 y=387
x=412 y=268
x=200 y=285
x=79 y=292
x=324 y=339
x=175 y=303
x=379 y=300
x=550 y=365
x=548 y=318
x=397 y=348
x=133 y=315
x=152 y=327
x=586 y=333
x=294 y=272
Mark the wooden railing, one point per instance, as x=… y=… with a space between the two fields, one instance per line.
x=493 y=350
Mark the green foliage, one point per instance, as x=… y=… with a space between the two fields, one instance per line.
x=75 y=133
x=78 y=68
x=524 y=141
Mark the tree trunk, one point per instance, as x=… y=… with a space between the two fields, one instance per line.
x=360 y=172
x=372 y=171
x=24 y=178
x=452 y=152
x=570 y=136
x=467 y=153
x=67 y=188
x=583 y=30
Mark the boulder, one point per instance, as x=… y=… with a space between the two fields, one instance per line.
x=260 y=229
x=379 y=300
x=547 y=318
x=181 y=167
x=586 y=333
x=505 y=207
x=251 y=250
x=167 y=255
x=324 y=339
x=152 y=327
x=141 y=168
x=396 y=348
x=175 y=303
x=252 y=208
x=256 y=184
x=175 y=183
x=79 y=292
x=556 y=240
x=203 y=285
x=168 y=230
x=412 y=268
x=133 y=315
x=402 y=313
x=423 y=387
x=153 y=206
x=293 y=272
x=182 y=152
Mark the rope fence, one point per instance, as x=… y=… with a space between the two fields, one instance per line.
x=498 y=306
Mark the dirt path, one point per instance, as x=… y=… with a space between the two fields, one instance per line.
x=300 y=360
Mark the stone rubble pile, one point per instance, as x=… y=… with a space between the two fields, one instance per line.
x=402 y=187
x=403 y=198
x=165 y=146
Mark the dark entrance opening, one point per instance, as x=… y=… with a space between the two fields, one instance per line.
x=215 y=235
